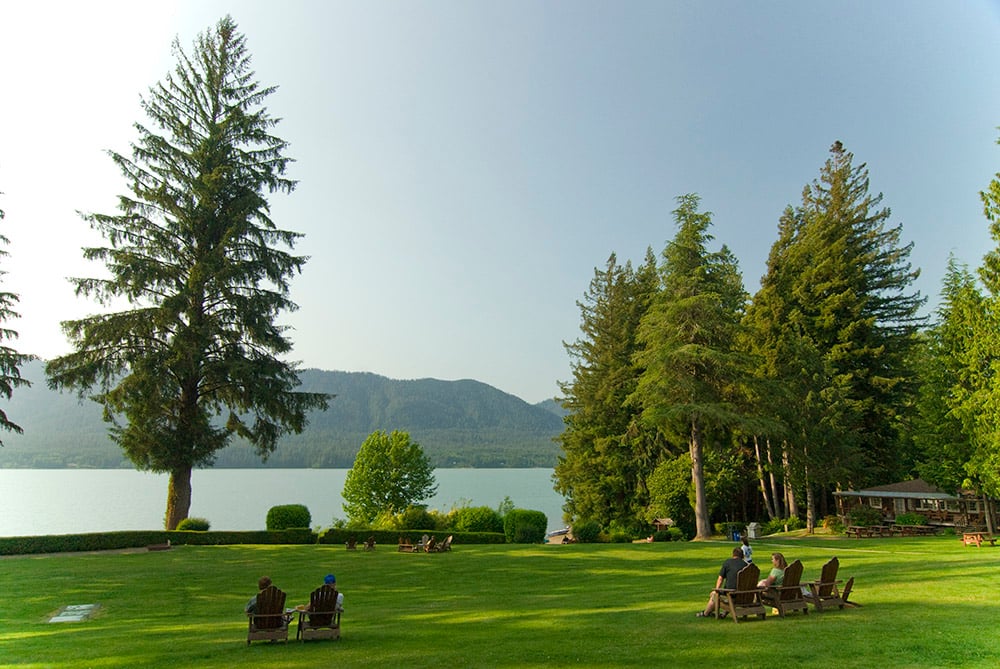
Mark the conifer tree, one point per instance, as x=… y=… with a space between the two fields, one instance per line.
x=950 y=370
x=10 y=359
x=607 y=454
x=691 y=368
x=193 y=358
x=981 y=404
x=854 y=294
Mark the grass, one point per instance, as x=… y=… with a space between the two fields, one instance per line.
x=927 y=602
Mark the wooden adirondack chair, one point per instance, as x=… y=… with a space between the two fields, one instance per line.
x=825 y=592
x=370 y=544
x=445 y=545
x=269 y=621
x=322 y=619
x=744 y=600
x=787 y=596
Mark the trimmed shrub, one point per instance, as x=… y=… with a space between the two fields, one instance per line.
x=522 y=526
x=669 y=534
x=416 y=518
x=910 y=518
x=287 y=516
x=193 y=525
x=779 y=525
x=587 y=531
x=477 y=519
x=865 y=516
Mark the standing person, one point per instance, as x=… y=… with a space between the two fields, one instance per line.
x=727 y=575
x=777 y=575
x=747 y=550
x=262 y=583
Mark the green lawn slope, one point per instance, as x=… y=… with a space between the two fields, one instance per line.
x=926 y=602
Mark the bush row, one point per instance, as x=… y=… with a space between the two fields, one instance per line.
x=64 y=543
x=390 y=538
x=67 y=543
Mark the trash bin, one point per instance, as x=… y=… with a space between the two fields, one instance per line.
x=752 y=530
x=736 y=535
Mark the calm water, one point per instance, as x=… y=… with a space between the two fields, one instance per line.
x=69 y=501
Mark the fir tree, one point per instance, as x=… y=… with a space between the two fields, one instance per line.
x=607 y=454
x=196 y=257
x=691 y=368
x=10 y=359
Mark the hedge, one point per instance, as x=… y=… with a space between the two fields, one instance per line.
x=104 y=541
x=63 y=543
x=390 y=538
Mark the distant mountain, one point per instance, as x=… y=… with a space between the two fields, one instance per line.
x=458 y=423
x=552 y=406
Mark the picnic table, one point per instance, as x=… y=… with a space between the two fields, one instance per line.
x=977 y=539
x=913 y=530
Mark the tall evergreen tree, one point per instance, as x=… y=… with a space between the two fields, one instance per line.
x=10 y=359
x=607 y=453
x=859 y=312
x=691 y=369
x=947 y=407
x=195 y=255
x=789 y=370
x=981 y=404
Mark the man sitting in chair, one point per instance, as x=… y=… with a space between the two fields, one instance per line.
x=331 y=581
x=727 y=577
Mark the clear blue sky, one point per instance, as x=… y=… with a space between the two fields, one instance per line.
x=464 y=166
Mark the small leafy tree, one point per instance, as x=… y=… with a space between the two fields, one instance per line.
x=390 y=473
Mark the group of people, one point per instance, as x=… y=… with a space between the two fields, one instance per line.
x=742 y=556
x=264 y=582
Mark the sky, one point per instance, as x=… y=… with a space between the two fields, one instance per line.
x=463 y=167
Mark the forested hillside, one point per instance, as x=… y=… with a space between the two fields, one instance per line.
x=458 y=423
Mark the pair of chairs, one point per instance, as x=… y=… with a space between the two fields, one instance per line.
x=352 y=544
x=270 y=620
x=747 y=599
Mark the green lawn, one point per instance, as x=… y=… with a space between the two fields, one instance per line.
x=927 y=602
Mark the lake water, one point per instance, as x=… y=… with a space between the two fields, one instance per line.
x=71 y=501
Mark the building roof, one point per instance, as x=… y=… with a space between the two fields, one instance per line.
x=914 y=489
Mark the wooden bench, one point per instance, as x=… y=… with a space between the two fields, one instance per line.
x=977 y=539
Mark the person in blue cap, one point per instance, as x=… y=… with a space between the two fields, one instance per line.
x=330 y=579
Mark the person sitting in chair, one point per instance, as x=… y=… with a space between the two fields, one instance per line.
x=331 y=581
x=262 y=584
x=727 y=575
x=777 y=575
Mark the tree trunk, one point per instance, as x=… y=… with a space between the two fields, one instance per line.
x=988 y=514
x=760 y=477
x=792 y=504
x=775 y=497
x=178 y=497
x=810 y=505
x=702 y=528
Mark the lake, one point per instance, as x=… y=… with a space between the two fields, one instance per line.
x=72 y=501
